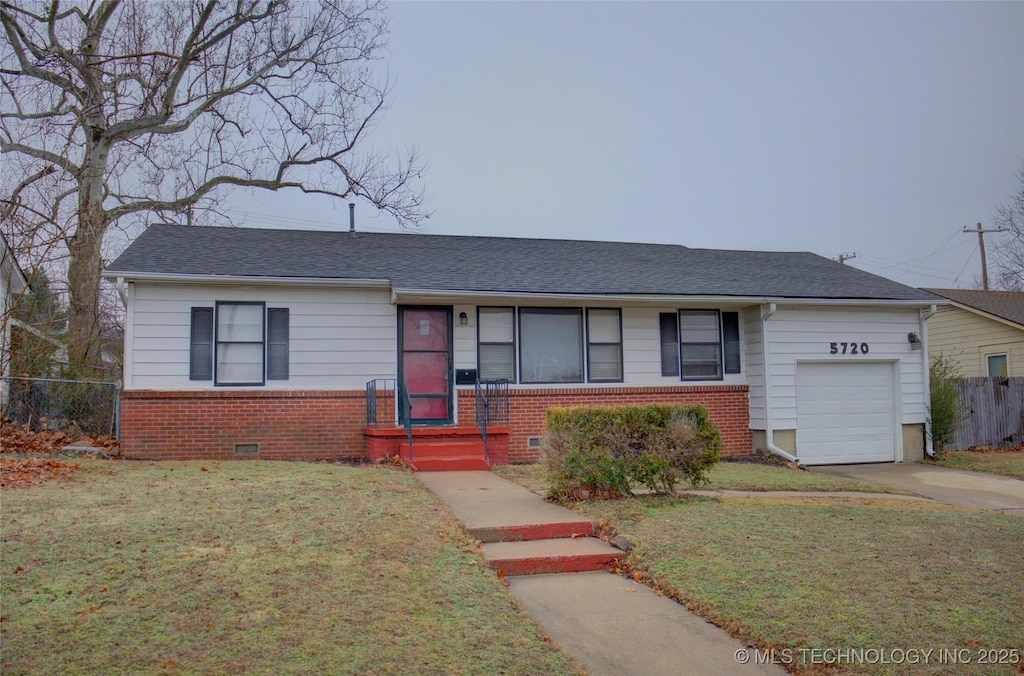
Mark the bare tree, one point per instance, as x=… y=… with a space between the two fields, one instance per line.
x=115 y=110
x=1009 y=249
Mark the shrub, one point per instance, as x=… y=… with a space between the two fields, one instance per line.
x=600 y=451
x=946 y=410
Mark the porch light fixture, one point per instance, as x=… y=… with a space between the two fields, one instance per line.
x=914 y=340
x=463 y=319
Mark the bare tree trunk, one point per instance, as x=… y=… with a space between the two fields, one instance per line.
x=86 y=264
x=84 y=284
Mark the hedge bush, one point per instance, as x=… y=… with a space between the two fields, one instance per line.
x=601 y=451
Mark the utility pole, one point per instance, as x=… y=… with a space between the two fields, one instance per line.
x=846 y=257
x=981 y=245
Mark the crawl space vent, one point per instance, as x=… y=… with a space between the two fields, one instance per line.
x=247 y=449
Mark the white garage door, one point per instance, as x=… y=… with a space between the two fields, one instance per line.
x=845 y=413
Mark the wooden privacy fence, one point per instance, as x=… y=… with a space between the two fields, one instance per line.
x=994 y=412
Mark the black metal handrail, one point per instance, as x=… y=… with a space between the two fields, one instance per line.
x=380 y=402
x=405 y=412
x=491 y=406
x=381 y=409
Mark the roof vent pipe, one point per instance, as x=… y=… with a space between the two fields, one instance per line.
x=351 y=218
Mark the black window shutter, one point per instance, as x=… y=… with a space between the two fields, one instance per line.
x=669 y=343
x=731 y=332
x=277 y=343
x=201 y=344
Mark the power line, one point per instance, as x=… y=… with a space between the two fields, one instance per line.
x=964 y=267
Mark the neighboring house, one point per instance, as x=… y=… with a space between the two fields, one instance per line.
x=242 y=342
x=981 y=331
x=12 y=285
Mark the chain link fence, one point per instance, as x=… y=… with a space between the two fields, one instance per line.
x=90 y=406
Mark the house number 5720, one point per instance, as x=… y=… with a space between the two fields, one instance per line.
x=848 y=348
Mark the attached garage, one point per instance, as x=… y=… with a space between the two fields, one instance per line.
x=846 y=412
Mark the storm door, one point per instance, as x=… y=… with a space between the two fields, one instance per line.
x=425 y=362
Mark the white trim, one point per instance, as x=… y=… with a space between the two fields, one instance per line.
x=244 y=279
x=400 y=295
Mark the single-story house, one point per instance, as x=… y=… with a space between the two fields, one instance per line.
x=981 y=331
x=292 y=344
x=13 y=284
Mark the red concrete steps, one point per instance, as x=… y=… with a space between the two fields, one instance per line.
x=448 y=456
x=559 y=555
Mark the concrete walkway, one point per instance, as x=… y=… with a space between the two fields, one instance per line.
x=942 y=484
x=610 y=624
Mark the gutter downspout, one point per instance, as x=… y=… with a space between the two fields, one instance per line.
x=929 y=449
x=120 y=284
x=769 y=432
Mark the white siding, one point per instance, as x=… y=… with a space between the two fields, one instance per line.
x=754 y=365
x=465 y=337
x=339 y=338
x=804 y=334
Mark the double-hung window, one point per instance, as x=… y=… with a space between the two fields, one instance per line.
x=699 y=344
x=496 y=354
x=239 y=344
x=604 y=345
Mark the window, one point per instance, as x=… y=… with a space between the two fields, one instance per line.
x=998 y=365
x=551 y=345
x=700 y=345
x=604 y=346
x=239 y=344
x=706 y=342
x=233 y=343
x=496 y=353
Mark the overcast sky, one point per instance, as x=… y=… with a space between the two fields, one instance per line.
x=868 y=128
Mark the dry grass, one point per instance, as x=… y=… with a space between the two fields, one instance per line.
x=1005 y=463
x=739 y=476
x=264 y=567
x=837 y=573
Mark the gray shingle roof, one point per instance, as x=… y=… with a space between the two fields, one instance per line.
x=1007 y=305
x=496 y=264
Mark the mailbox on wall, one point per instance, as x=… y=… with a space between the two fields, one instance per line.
x=465 y=376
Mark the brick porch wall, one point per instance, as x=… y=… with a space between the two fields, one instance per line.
x=292 y=424
x=726 y=404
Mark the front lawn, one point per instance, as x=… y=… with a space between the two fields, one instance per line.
x=266 y=567
x=1005 y=463
x=737 y=476
x=838 y=573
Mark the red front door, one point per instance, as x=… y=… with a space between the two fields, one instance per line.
x=424 y=361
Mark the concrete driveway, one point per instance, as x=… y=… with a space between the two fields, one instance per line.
x=951 y=486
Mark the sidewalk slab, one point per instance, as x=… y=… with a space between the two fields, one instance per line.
x=563 y=555
x=496 y=510
x=613 y=625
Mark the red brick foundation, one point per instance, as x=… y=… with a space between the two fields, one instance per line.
x=206 y=424
x=329 y=424
x=726 y=404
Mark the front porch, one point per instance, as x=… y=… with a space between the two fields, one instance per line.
x=440 y=448
x=392 y=430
